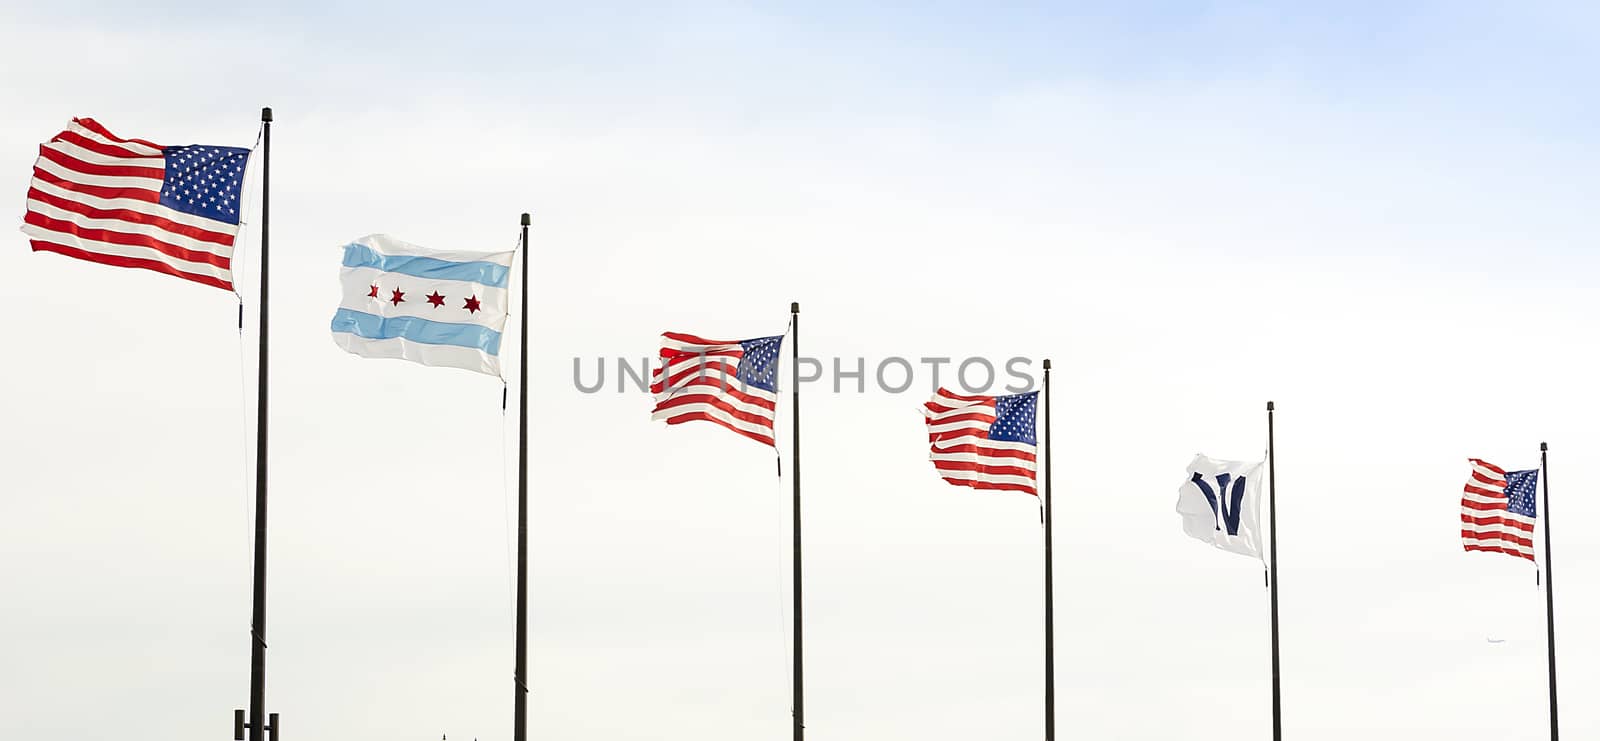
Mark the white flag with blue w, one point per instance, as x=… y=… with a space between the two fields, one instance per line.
x=1220 y=503
x=428 y=306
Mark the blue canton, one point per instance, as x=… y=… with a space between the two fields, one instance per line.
x=204 y=181
x=1014 y=418
x=759 y=366
x=1521 y=490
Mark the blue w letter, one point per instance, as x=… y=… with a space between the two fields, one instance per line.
x=1230 y=499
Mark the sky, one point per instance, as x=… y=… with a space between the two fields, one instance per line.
x=1378 y=215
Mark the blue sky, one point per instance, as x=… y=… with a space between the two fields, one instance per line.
x=1379 y=214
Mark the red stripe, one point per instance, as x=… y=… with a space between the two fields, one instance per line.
x=87 y=168
x=1477 y=536
x=1497 y=549
x=689 y=339
x=1484 y=506
x=985 y=418
x=95 y=126
x=995 y=486
x=109 y=150
x=99 y=191
x=703 y=416
x=1021 y=455
x=983 y=468
x=136 y=217
x=1490 y=466
x=715 y=385
x=132 y=240
x=715 y=401
x=129 y=262
x=1492 y=482
x=948 y=394
x=1496 y=493
x=1497 y=520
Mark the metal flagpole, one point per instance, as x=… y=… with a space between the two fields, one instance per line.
x=520 y=729
x=799 y=654
x=1049 y=580
x=1272 y=535
x=1549 y=591
x=259 y=725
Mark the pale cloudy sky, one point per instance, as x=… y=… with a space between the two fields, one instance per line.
x=1379 y=215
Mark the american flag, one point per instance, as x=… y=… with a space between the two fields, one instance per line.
x=1498 y=510
x=734 y=383
x=985 y=442
x=135 y=204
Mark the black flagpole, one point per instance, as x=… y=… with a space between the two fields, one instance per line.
x=258 y=724
x=1549 y=592
x=520 y=730
x=1049 y=580
x=1272 y=535
x=799 y=643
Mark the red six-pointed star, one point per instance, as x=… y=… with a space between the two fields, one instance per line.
x=472 y=304
x=435 y=299
x=398 y=297
x=374 y=292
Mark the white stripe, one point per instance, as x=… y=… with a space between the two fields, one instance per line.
x=714 y=365
x=986 y=477
x=134 y=147
x=119 y=250
x=130 y=204
x=975 y=427
x=985 y=460
x=667 y=343
x=714 y=391
x=949 y=442
x=683 y=409
x=152 y=185
x=95 y=158
x=356 y=282
x=1497 y=513
x=984 y=411
x=130 y=227
x=1496 y=528
x=444 y=356
x=1489 y=474
x=388 y=245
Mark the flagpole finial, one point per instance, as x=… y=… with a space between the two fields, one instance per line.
x=526 y=218
x=1544 y=447
x=1047 y=364
x=794 y=307
x=1270 y=406
x=266 y=115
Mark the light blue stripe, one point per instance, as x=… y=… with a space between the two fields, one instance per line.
x=481 y=272
x=416 y=329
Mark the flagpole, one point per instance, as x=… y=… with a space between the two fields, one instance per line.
x=258 y=724
x=1049 y=580
x=1272 y=535
x=1549 y=592
x=520 y=728
x=799 y=643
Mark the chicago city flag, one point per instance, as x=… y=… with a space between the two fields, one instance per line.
x=427 y=306
x=1220 y=503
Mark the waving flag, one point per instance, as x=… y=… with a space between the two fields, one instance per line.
x=135 y=204
x=985 y=442
x=1220 y=503
x=733 y=383
x=1498 y=510
x=427 y=306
